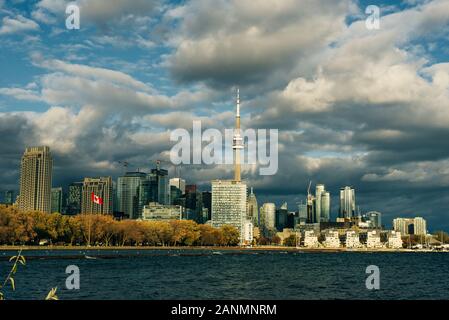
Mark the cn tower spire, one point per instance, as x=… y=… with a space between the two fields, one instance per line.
x=238 y=142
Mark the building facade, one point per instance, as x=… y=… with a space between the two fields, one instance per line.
x=100 y=187
x=252 y=212
x=36 y=179
x=56 y=200
x=352 y=240
x=129 y=188
x=156 y=212
x=268 y=215
x=347 y=203
x=405 y=226
x=229 y=204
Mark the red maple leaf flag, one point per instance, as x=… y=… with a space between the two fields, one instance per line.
x=96 y=199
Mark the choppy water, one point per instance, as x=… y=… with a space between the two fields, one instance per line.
x=182 y=274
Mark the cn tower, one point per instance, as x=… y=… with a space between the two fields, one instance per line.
x=237 y=141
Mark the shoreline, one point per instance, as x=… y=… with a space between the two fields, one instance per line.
x=241 y=249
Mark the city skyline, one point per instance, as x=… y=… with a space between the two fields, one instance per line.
x=354 y=107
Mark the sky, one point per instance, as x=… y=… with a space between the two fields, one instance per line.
x=353 y=106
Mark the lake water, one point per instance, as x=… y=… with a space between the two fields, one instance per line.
x=203 y=274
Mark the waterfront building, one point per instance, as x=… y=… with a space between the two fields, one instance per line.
x=373 y=239
x=352 y=240
x=128 y=194
x=405 y=226
x=175 y=194
x=332 y=239
x=311 y=239
x=229 y=204
x=156 y=212
x=268 y=215
x=56 y=200
x=100 y=187
x=178 y=183
x=347 y=203
x=36 y=179
x=252 y=212
x=394 y=240
x=375 y=219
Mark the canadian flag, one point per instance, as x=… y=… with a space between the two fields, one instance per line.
x=96 y=199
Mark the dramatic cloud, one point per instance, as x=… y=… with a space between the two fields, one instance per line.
x=367 y=108
x=17 y=24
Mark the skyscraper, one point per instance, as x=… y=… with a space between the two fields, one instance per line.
x=268 y=215
x=228 y=203
x=74 y=198
x=36 y=179
x=159 y=177
x=375 y=219
x=417 y=226
x=325 y=207
x=229 y=196
x=56 y=200
x=128 y=194
x=347 y=203
x=179 y=183
x=100 y=187
x=252 y=213
x=318 y=191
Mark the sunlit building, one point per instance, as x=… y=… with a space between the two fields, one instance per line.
x=373 y=239
x=347 y=203
x=268 y=215
x=311 y=239
x=394 y=240
x=405 y=226
x=352 y=240
x=36 y=179
x=332 y=239
x=156 y=212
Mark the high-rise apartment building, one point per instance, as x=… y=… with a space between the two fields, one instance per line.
x=347 y=203
x=35 y=179
x=375 y=219
x=417 y=226
x=100 y=187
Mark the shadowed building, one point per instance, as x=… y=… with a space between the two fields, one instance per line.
x=100 y=187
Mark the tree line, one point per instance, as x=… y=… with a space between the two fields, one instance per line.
x=33 y=227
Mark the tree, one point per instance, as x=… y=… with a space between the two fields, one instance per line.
x=231 y=236
x=290 y=241
x=441 y=236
